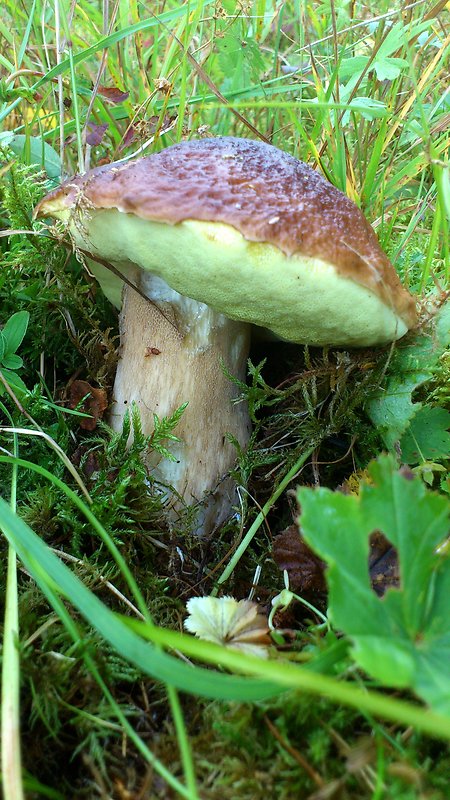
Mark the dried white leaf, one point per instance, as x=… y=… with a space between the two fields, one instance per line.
x=229 y=622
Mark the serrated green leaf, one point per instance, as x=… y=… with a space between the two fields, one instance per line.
x=14 y=330
x=415 y=521
x=391 y=408
x=389 y=68
x=427 y=437
x=391 y=661
x=402 y=639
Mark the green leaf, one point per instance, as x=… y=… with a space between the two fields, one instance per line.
x=385 y=65
x=402 y=639
x=34 y=150
x=240 y=60
x=14 y=331
x=390 y=661
x=368 y=107
x=11 y=361
x=2 y=345
x=391 y=408
x=399 y=35
x=427 y=438
x=14 y=381
x=389 y=68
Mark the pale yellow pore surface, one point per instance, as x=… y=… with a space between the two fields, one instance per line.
x=299 y=298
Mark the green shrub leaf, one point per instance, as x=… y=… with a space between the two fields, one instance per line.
x=427 y=437
x=14 y=381
x=2 y=346
x=34 y=150
x=391 y=408
x=11 y=361
x=14 y=331
x=402 y=639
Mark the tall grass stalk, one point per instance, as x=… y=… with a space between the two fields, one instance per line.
x=140 y=745
x=11 y=748
x=255 y=526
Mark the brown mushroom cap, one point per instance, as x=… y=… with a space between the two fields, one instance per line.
x=263 y=193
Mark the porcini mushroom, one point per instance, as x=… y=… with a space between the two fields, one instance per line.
x=220 y=233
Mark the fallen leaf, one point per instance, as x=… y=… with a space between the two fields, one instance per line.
x=113 y=94
x=304 y=568
x=95 y=133
x=95 y=403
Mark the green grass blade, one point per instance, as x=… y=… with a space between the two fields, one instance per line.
x=254 y=528
x=48 y=570
x=183 y=742
x=97 y=526
x=26 y=35
x=11 y=759
x=142 y=748
x=294 y=677
x=101 y=44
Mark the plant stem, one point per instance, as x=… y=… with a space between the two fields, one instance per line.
x=140 y=745
x=292 y=676
x=10 y=714
x=183 y=741
x=254 y=528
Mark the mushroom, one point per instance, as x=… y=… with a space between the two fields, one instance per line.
x=221 y=234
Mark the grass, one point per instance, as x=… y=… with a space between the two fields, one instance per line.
x=359 y=92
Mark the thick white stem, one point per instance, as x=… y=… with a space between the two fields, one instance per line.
x=172 y=352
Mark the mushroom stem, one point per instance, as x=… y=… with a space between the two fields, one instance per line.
x=173 y=352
